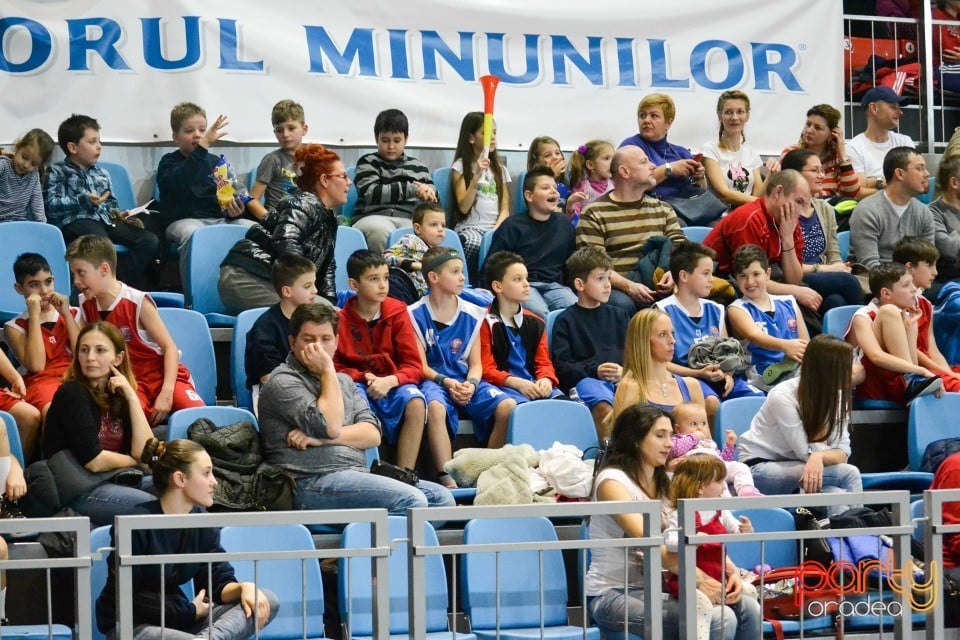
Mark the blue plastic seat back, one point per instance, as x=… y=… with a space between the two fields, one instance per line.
x=180 y=421
x=836 y=320
x=485 y=247
x=238 y=347
x=99 y=539
x=209 y=246
x=24 y=236
x=519 y=205
x=696 y=234
x=843 y=240
x=348 y=241
x=778 y=553
x=551 y=321
x=931 y=419
x=189 y=330
x=736 y=414
x=916 y=511
x=441 y=180
x=293 y=581
x=352 y=196
x=121 y=186
x=354 y=581
x=13 y=437
x=519 y=576
x=544 y=422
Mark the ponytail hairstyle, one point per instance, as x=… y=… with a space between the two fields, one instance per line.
x=472 y=126
x=637 y=361
x=585 y=153
x=42 y=143
x=534 y=152
x=166 y=458
x=311 y=162
x=114 y=403
x=731 y=95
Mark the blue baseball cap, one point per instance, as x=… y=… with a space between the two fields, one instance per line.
x=883 y=93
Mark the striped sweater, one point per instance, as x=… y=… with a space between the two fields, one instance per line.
x=20 y=196
x=622 y=228
x=387 y=188
x=838 y=179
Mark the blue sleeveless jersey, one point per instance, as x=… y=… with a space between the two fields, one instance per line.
x=688 y=332
x=783 y=325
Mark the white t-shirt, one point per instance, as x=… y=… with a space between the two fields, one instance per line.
x=737 y=166
x=486 y=208
x=867 y=155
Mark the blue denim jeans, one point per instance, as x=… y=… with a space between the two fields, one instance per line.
x=549 y=296
x=352 y=489
x=109 y=500
x=836 y=288
x=783 y=477
x=739 y=622
x=230 y=622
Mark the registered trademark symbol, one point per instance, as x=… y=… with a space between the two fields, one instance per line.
x=802 y=46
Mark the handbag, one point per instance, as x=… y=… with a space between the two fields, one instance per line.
x=788 y=605
x=696 y=206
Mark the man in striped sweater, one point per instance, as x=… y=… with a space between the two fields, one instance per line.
x=389 y=182
x=621 y=221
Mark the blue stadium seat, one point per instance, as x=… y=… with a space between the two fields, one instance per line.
x=221 y=416
x=916 y=513
x=189 y=330
x=543 y=422
x=696 y=234
x=551 y=321
x=348 y=241
x=441 y=180
x=347 y=209
x=28 y=236
x=843 y=239
x=518 y=205
x=121 y=186
x=210 y=246
x=295 y=618
x=518 y=575
x=736 y=414
x=13 y=437
x=485 y=247
x=99 y=539
x=356 y=593
x=836 y=320
x=931 y=419
x=242 y=396
x=168 y=299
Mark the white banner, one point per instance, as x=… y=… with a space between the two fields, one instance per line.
x=573 y=70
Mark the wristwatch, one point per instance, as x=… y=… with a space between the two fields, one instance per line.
x=667 y=170
x=881 y=183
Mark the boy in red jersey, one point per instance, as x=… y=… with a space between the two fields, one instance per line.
x=163 y=384
x=42 y=338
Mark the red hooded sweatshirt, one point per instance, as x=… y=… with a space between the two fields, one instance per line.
x=386 y=347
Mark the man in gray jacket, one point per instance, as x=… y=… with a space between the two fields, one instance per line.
x=882 y=219
x=315 y=425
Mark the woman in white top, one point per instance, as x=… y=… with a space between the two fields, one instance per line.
x=733 y=166
x=634 y=468
x=799 y=440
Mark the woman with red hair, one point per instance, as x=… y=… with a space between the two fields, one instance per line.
x=304 y=224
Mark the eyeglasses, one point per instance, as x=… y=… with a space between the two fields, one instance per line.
x=343 y=176
x=819 y=171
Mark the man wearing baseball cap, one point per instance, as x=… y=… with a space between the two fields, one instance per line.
x=867 y=150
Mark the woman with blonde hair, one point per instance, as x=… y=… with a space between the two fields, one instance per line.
x=646 y=379
x=733 y=166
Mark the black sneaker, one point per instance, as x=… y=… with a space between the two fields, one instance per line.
x=918 y=385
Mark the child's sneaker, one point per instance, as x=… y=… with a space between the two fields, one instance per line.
x=918 y=385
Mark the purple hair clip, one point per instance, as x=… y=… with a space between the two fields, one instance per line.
x=582 y=149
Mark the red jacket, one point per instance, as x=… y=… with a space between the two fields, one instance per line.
x=388 y=348
x=494 y=347
x=750 y=223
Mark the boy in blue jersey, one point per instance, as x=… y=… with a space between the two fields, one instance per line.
x=695 y=318
x=771 y=324
x=588 y=337
x=448 y=335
